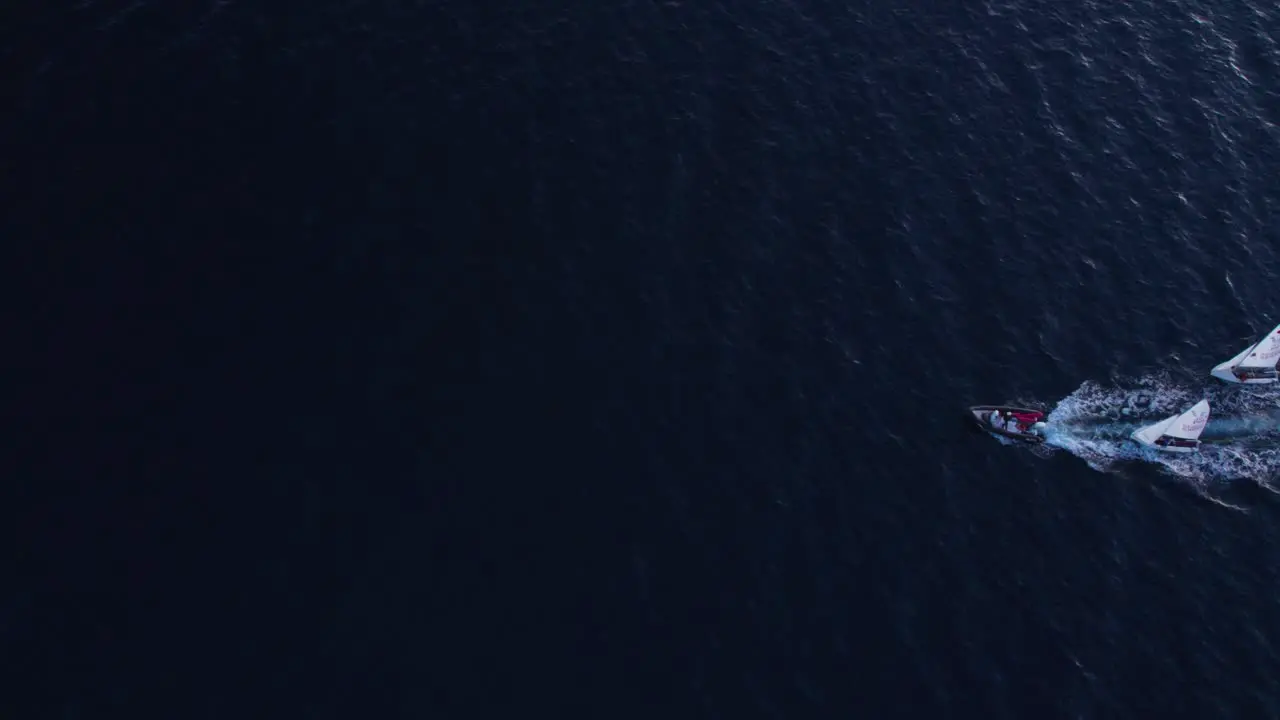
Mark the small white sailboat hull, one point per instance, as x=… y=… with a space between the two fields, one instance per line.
x=1223 y=373
x=1255 y=365
x=1176 y=434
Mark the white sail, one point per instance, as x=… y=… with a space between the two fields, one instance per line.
x=1179 y=433
x=1255 y=364
x=1149 y=434
x=1190 y=424
x=1266 y=353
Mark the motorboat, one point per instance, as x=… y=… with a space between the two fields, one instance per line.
x=1016 y=423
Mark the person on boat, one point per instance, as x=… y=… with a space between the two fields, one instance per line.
x=1001 y=420
x=1038 y=428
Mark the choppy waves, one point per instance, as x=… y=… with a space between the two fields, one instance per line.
x=1242 y=439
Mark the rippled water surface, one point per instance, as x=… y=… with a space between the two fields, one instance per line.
x=611 y=359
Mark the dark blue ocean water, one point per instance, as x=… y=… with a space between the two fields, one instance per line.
x=437 y=359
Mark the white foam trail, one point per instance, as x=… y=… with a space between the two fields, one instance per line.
x=1242 y=439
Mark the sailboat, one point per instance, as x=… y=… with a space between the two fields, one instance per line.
x=1256 y=365
x=1179 y=433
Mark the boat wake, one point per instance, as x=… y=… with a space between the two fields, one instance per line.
x=1241 y=440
